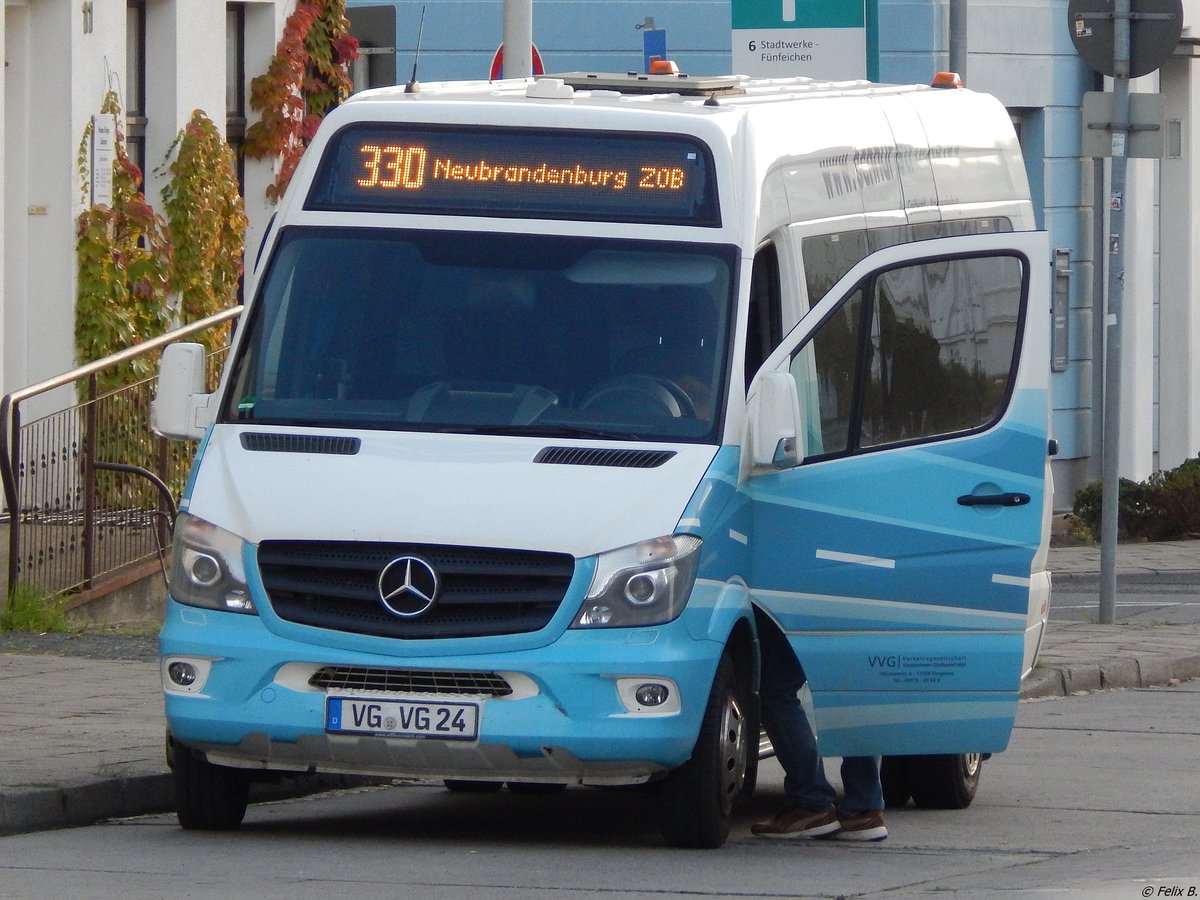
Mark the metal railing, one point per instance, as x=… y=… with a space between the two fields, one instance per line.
x=88 y=489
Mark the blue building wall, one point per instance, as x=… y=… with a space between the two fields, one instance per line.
x=1019 y=50
x=461 y=36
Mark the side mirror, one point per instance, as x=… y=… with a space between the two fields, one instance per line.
x=775 y=427
x=180 y=408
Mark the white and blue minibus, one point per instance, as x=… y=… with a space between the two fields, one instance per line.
x=551 y=394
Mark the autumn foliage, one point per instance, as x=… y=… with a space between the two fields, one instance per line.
x=306 y=78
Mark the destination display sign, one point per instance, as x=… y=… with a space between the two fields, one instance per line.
x=522 y=173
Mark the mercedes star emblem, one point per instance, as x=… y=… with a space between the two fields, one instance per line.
x=408 y=585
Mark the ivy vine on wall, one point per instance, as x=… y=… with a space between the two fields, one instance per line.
x=139 y=274
x=306 y=78
x=206 y=221
x=123 y=256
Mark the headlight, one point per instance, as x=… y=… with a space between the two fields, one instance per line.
x=642 y=584
x=206 y=567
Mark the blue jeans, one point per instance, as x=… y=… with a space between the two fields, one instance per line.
x=795 y=743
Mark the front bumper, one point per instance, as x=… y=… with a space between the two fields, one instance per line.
x=254 y=708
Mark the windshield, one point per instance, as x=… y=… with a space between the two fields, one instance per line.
x=483 y=332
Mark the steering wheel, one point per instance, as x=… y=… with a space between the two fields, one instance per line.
x=646 y=395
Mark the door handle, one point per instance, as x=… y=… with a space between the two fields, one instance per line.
x=993 y=499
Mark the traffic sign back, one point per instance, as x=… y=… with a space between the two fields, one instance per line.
x=1154 y=31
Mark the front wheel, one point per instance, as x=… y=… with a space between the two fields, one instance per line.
x=208 y=797
x=945 y=781
x=698 y=797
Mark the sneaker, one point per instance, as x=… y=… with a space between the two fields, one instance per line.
x=864 y=826
x=798 y=821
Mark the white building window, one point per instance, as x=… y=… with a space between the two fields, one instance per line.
x=135 y=82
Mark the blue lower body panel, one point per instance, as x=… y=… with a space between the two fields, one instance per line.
x=564 y=720
x=902 y=693
x=875 y=724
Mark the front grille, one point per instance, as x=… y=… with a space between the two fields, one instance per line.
x=410 y=681
x=483 y=591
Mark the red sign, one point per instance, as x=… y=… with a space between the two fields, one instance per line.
x=498 y=63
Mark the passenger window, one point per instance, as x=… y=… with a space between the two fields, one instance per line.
x=825 y=371
x=827 y=257
x=764 y=327
x=915 y=352
x=941 y=348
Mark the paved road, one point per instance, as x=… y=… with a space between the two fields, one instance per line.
x=1148 y=599
x=1095 y=798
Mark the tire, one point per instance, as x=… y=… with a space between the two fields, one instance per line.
x=208 y=797
x=947 y=781
x=698 y=797
x=466 y=786
x=754 y=735
x=750 y=779
x=897 y=784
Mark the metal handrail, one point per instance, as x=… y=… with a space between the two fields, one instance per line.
x=143 y=472
x=115 y=359
x=10 y=413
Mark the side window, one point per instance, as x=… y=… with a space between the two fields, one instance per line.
x=825 y=369
x=827 y=257
x=763 y=331
x=915 y=352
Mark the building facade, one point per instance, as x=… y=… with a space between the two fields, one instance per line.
x=165 y=58
x=168 y=57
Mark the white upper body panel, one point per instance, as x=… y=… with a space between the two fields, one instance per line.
x=467 y=490
x=785 y=150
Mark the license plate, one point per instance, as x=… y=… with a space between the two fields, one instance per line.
x=402 y=718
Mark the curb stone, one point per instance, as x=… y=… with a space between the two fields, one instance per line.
x=1107 y=675
x=89 y=802
x=75 y=805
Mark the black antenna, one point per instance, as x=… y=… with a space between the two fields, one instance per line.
x=413 y=85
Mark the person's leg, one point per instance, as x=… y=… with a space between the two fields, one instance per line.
x=864 y=791
x=787 y=725
x=860 y=813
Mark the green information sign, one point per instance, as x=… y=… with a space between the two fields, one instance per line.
x=823 y=39
x=799 y=14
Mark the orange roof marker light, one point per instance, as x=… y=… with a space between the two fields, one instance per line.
x=946 y=80
x=663 y=67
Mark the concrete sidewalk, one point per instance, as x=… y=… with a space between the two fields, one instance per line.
x=1157 y=645
x=83 y=738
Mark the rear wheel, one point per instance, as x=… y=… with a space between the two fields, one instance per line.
x=897 y=786
x=208 y=797
x=946 y=781
x=698 y=797
x=467 y=786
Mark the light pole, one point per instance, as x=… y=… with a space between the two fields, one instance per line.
x=1111 y=464
x=518 y=38
x=1104 y=31
x=958 y=38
